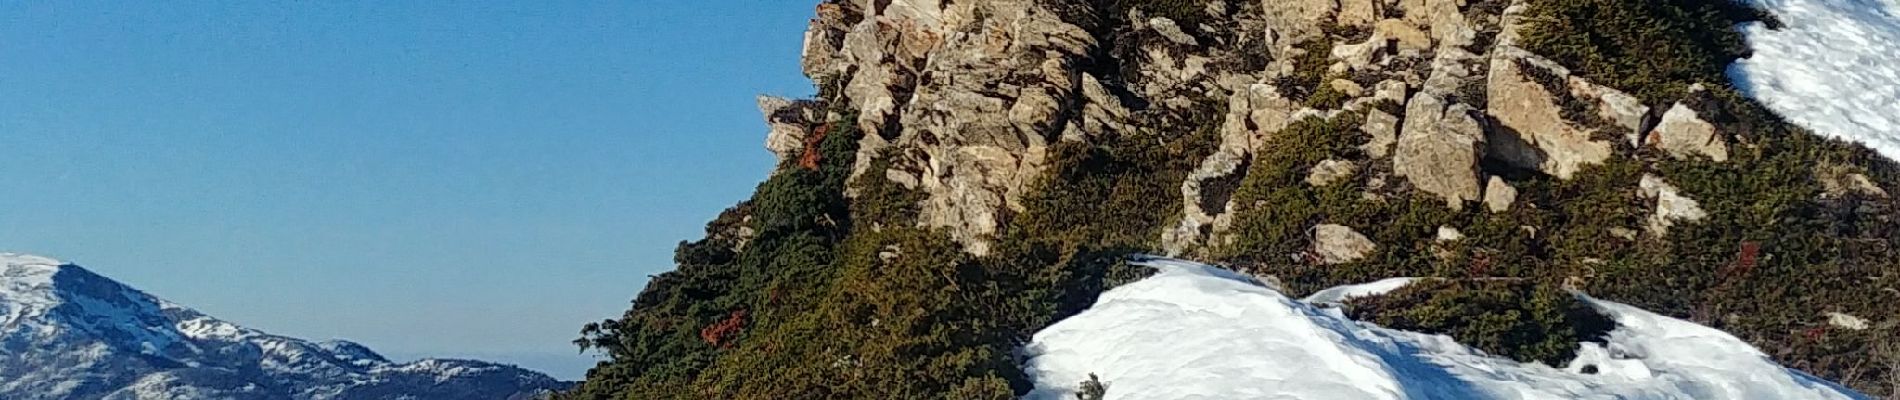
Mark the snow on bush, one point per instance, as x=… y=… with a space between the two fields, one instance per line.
x=1195 y=331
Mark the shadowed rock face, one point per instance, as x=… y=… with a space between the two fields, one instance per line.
x=68 y=333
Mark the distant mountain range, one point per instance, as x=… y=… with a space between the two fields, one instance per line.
x=68 y=333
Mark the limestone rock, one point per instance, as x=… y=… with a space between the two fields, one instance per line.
x=1384 y=129
x=1621 y=109
x=1356 y=13
x=1255 y=111
x=1348 y=87
x=1498 y=195
x=1330 y=171
x=1439 y=148
x=1295 y=21
x=789 y=122
x=1847 y=321
x=1671 y=205
x=1447 y=22
x=1684 y=134
x=1338 y=244
x=1532 y=130
x=973 y=92
x=1168 y=29
x=1407 y=36
x=1449 y=234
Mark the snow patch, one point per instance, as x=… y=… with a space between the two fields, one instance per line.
x=1834 y=68
x=1341 y=293
x=1194 y=331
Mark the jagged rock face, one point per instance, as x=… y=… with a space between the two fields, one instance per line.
x=66 y=333
x=973 y=93
x=790 y=123
x=966 y=98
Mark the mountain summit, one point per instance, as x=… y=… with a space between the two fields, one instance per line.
x=68 y=333
x=972 y=174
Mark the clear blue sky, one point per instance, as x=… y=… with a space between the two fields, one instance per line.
x=428 y=178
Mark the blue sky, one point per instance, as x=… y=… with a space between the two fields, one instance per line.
x=428 y=178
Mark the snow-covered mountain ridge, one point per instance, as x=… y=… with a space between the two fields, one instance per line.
x=1196 y=331
x=68 y=333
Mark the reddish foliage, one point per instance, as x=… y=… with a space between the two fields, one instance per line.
x=1480 y=265
x=1745 y=260
x=1816 y=333
x=720 y=334
x=809 y=160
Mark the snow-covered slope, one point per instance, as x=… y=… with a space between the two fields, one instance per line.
x=67 y=333
x=1195 y=331
x=1835 y=68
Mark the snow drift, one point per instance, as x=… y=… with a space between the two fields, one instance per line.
x=1195 y=331
x=1834 y=68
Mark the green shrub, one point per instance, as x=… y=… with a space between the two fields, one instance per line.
x=1518 y=319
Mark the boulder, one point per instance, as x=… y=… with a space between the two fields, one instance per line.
x=1449 y=234
x=1532 y=132
x=1683 y=134
x=1439 y=148
x=1672 y=206
x=1498 y=195
x=1338 y=244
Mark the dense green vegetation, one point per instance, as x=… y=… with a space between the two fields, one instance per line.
x=1513 y=318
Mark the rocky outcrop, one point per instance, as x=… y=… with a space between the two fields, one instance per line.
x=1339 y=244
x=1439 y=149
x=1528 y=95
x=974 y=91
x=1294 y=21
x=789 y=122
